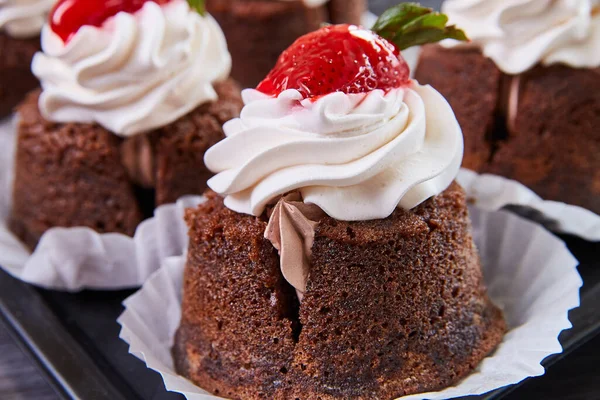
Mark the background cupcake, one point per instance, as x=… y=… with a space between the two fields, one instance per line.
x=526 y=92
x=131 y=99
x=259 y=30
x=20 y=24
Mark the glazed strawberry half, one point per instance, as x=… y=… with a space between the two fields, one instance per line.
x=352 y=59
x=68 y=16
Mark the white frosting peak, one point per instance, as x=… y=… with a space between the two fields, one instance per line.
x=24 y=18
x=135 y=73
x=518 y=34
x=357 y=156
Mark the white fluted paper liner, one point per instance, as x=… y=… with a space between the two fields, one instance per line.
x=73 y=259
x=529 y=272
x=492 y=192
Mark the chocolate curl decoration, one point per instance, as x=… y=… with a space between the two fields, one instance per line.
x=291 y=230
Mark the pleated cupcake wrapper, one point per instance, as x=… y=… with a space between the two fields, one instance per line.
x=493 y=192
x=530 y=274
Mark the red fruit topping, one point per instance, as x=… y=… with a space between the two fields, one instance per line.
x=337 y=58
x=69 y=15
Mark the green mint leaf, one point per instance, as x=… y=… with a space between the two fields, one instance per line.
x=198 y=5
x=410 y=24
x=399 y=15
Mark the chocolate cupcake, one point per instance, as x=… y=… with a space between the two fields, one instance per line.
x=526 y=92
x=20 y=25
x=129 y=105
x=259 y=30
x=335 y=259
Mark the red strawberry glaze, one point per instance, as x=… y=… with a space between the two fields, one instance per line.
x=68 y=16
x=337 y=58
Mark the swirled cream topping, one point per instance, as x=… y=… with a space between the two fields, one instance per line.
x=24 y=18
x=135 y=73
x=356 y=156
x=518 y=34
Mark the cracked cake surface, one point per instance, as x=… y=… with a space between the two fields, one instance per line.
x=335 y=259
x=392 y=307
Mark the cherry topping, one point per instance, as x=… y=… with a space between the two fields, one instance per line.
x=68 y=16
x=337 y=58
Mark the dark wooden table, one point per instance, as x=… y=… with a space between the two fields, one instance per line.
x=19 y=377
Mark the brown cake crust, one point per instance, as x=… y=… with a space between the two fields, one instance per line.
x=258 y=31
x=68 y=175
x=552 y=145
x=392 y=307
x=74 y=174
x=16 y=78
x=471 y=84
x=234 y=295
x=179 y=147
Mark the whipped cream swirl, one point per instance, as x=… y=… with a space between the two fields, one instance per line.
x=356 y=156
x=518 y=34
x=24 y=18
x=135 y=73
